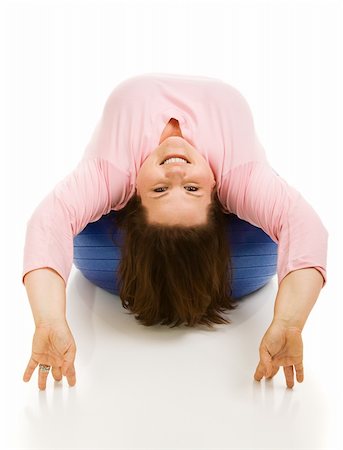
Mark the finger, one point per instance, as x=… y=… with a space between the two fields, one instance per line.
x=299 y=370
x=259 y=373
x=266 y=360
x=57 y=373
x=68 y=368
x=42 y=376
x=289 y=374
x=29 y=370
x=71 y=375
x=274 y=372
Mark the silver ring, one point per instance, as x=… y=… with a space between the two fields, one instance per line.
x=44 y=368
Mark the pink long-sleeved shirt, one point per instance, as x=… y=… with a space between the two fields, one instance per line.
x=216 y=119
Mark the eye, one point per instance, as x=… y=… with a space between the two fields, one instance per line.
x=193 y=187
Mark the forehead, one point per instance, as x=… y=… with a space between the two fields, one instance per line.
x=185 y=205
x=171 y=218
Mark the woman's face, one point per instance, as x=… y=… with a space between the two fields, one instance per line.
x=178 y=192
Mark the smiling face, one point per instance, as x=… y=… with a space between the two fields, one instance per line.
x=178 y=192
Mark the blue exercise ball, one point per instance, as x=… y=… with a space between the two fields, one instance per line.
x=253 y=254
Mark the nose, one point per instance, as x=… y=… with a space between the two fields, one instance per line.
x=176 y=171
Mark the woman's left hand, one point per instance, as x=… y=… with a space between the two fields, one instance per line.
x=281 y=346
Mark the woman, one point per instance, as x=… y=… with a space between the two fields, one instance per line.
x=171 y=154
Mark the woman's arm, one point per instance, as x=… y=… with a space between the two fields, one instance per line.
x=53 y=343
x=257 y=194
x=296 y=296
x=90 y=191
x=282 y=345
x=46 y=291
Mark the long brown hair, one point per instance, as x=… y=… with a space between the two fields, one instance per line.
x=174 y=274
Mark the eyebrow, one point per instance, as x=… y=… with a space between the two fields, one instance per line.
x=166 y=193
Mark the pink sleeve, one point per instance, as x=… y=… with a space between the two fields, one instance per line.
x=257 y=194
x=90 y=191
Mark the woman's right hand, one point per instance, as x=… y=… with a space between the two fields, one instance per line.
x=53 y=345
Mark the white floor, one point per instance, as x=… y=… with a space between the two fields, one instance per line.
x=160 y=388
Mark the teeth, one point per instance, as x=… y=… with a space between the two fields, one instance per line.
x=171 y=160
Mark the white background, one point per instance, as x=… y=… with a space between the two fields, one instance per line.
x=157 y=388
